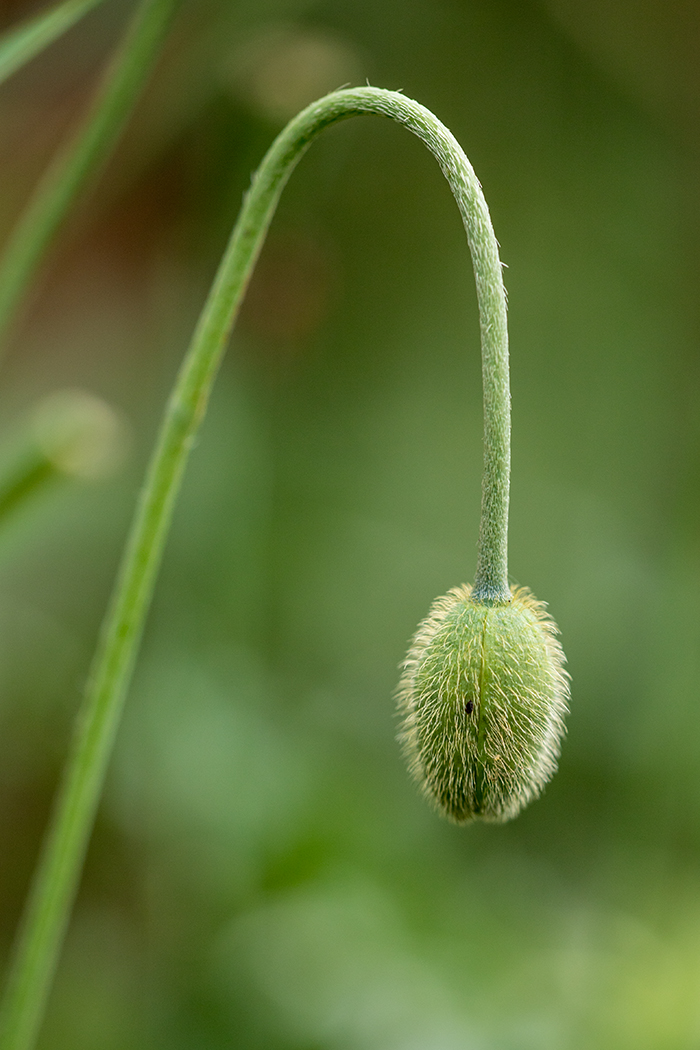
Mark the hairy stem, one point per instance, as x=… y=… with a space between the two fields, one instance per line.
x=59 y=869
x=82 y=155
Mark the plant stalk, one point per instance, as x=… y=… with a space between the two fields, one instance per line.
x=59 y=869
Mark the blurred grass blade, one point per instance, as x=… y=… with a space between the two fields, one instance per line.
x=79 y=159
x=27 y=478
x=19 y=45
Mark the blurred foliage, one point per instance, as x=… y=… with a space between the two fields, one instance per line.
x=263 y=874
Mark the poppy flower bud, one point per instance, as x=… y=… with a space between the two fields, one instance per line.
x=483 y=698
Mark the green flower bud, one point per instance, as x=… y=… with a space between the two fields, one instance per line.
x=483 y=698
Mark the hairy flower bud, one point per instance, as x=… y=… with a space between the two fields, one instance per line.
x=483 y=698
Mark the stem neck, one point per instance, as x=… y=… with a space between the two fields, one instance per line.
x=491 y=581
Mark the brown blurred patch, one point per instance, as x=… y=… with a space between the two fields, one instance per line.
x=290 y=293
x=12 y=11
x=120 y=251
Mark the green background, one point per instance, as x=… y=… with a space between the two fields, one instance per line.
x=263 y=874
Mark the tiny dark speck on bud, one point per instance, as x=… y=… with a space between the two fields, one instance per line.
x=469 y=706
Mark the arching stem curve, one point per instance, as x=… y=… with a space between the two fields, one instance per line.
x=58 y=872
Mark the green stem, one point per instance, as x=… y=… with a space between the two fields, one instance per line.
x=81 y=157
x=58 y=872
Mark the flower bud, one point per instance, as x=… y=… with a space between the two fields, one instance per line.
x=483 y=698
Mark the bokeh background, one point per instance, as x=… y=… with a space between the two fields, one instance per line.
x=263 y=874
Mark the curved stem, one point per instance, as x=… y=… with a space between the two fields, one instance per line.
x=81 y=156
x=59 y=869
